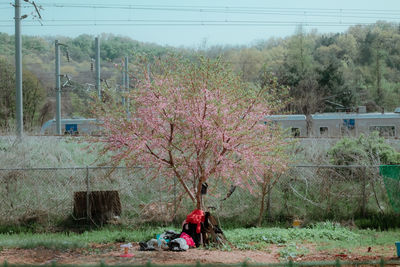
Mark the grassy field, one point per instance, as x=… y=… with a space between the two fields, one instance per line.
x=326 y=235
x=320 y=243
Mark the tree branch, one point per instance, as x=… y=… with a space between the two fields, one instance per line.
x=156 y=156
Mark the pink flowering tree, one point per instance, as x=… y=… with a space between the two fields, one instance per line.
x=196 y=121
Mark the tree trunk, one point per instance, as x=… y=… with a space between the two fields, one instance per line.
x=269 y=203
x=198 y=202
x=261 y=214
x=198 y=195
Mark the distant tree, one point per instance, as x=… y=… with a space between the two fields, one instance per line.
x=247 y=62
x=298 y=73
x=7 y=95
x=34 y=44
x=198 y=122
x=330 y=77
x=33 y=95
x=81 y=48
x=366 y=49
x=364 y=150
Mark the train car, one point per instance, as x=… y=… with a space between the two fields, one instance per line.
x=296 y=124
x=79 y=126
x=341 y=124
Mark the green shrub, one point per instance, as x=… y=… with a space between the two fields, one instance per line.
x=364 y=150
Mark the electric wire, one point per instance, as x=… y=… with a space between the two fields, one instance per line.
x=241 y=10
x=187 y=21
x=190 y=23
x=308 y=13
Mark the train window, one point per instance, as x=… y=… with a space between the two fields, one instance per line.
x=349 y=123
x=348 y=127
x=323 y=131
x=386 y=131
x=71 y=129
x=295 y=132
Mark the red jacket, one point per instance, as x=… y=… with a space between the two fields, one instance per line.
x=196 y=217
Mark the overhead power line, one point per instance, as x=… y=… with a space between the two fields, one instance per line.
x=179 y=25
x=312 y=17
x=192 y=21
x=217 y=8
x=231 y=9
x=111 y=22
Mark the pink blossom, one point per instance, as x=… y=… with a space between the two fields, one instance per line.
x=197 y=122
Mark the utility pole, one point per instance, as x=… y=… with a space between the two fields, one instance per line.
x=18 y=71
x=97 y=46
x=126 y=83
x=58 y=88
x=58 y=85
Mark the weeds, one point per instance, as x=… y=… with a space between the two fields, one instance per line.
x=292 y=250
x=247 y=238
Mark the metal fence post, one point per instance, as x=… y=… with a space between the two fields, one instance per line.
x=88 y=209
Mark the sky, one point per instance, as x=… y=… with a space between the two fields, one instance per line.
x=195 y=23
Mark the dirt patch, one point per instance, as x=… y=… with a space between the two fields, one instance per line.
x=109 y=254
x=359 y=254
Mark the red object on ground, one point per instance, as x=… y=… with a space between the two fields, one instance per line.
x=196 y=217
x=127 y=255
x=189 y=239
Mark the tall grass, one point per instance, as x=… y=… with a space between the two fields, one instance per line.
x=47 y=151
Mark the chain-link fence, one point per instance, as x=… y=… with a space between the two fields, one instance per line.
x=46 y=195
x=332 y=192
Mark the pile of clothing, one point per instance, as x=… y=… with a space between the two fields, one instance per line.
x=194 y=233
x=169 y=240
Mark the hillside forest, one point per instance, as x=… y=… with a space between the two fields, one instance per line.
x=325 y=72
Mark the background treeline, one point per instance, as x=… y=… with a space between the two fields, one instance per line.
x=326 y=72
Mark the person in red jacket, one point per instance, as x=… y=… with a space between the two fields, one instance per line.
x=193 y=225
